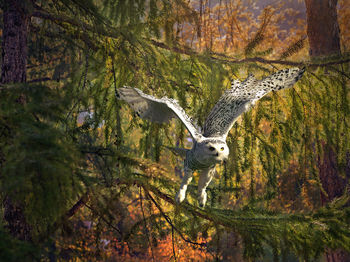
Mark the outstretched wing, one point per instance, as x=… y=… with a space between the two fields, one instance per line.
x=158 y=110
x=241 y=96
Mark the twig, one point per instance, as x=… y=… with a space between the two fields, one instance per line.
x=170 y=222
x=144 y=220
x=340 y=72
x=119 y=134
x=173 y=242
x=44 y=79
x=81 y=202
x=43 y=64
x=104 y=220
x=86 y=68
x=71 y=212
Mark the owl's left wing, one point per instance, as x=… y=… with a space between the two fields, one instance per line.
x=241 y=96
x=159 y=110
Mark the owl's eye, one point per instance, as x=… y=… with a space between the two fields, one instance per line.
x=222 y=149
x=211 y=148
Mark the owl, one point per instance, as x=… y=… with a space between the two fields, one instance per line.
x=209 y=144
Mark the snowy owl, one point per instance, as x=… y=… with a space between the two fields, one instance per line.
x=209 y=146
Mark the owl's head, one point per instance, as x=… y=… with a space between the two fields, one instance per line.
x=215 y=149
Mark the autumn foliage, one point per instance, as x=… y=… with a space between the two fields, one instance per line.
x=93 y=182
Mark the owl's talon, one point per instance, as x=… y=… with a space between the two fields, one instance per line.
x=180 y=197
x=202 y=199
x=209 y=145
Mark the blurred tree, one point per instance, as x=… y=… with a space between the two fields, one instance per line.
x=324 y=40
x=72 y=149
x=13 y=70
x=322 y=27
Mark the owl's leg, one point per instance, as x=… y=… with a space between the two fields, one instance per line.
x=180 y=196
x=204 y=180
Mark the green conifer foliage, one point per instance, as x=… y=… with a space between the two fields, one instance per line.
x=81 y=52
x=42 y=164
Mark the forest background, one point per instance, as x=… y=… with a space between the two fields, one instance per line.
x=83 y=179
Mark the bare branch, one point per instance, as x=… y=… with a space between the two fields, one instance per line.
x=76 y=207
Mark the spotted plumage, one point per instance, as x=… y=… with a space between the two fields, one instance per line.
x=209 y=146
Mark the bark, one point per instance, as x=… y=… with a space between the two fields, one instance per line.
x=334 y=185
x=324 y=40
x=322 y=27
x=337 y=256
x=14 y=45
x=16 y=221
x=13 y=70
x=332 y=182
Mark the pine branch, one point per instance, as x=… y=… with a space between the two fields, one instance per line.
x=146 y=227
x=60 y=19
x=70 y=213
x=45 y=79
x=260 y=221
x=43 y=64
x=170 y=222
x=230 y=60
x=103 y=219
x=259 y=36
x=281 y=62
x=293 y=48
x=114 y=33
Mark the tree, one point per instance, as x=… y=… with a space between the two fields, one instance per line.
x=322 y=27
x=13 y=70
x=324 y=40
x=97 y=183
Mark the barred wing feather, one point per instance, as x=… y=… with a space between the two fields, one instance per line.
x=237 y=100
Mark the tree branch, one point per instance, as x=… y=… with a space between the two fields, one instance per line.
x=59 y=19
x=170 y=222
x=81 y=202
x=230 y=60
x=44 y=79
x=182 y=49
x=194 y=210
x=104 y=219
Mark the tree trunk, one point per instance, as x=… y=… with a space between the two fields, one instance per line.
x=14 y=45
x=322 y=27
x=13 y=70
x=334 y=185
x=324 y=40
x=332 y=182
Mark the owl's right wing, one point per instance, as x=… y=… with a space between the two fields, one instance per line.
x=241 y=96
x=159 y=110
